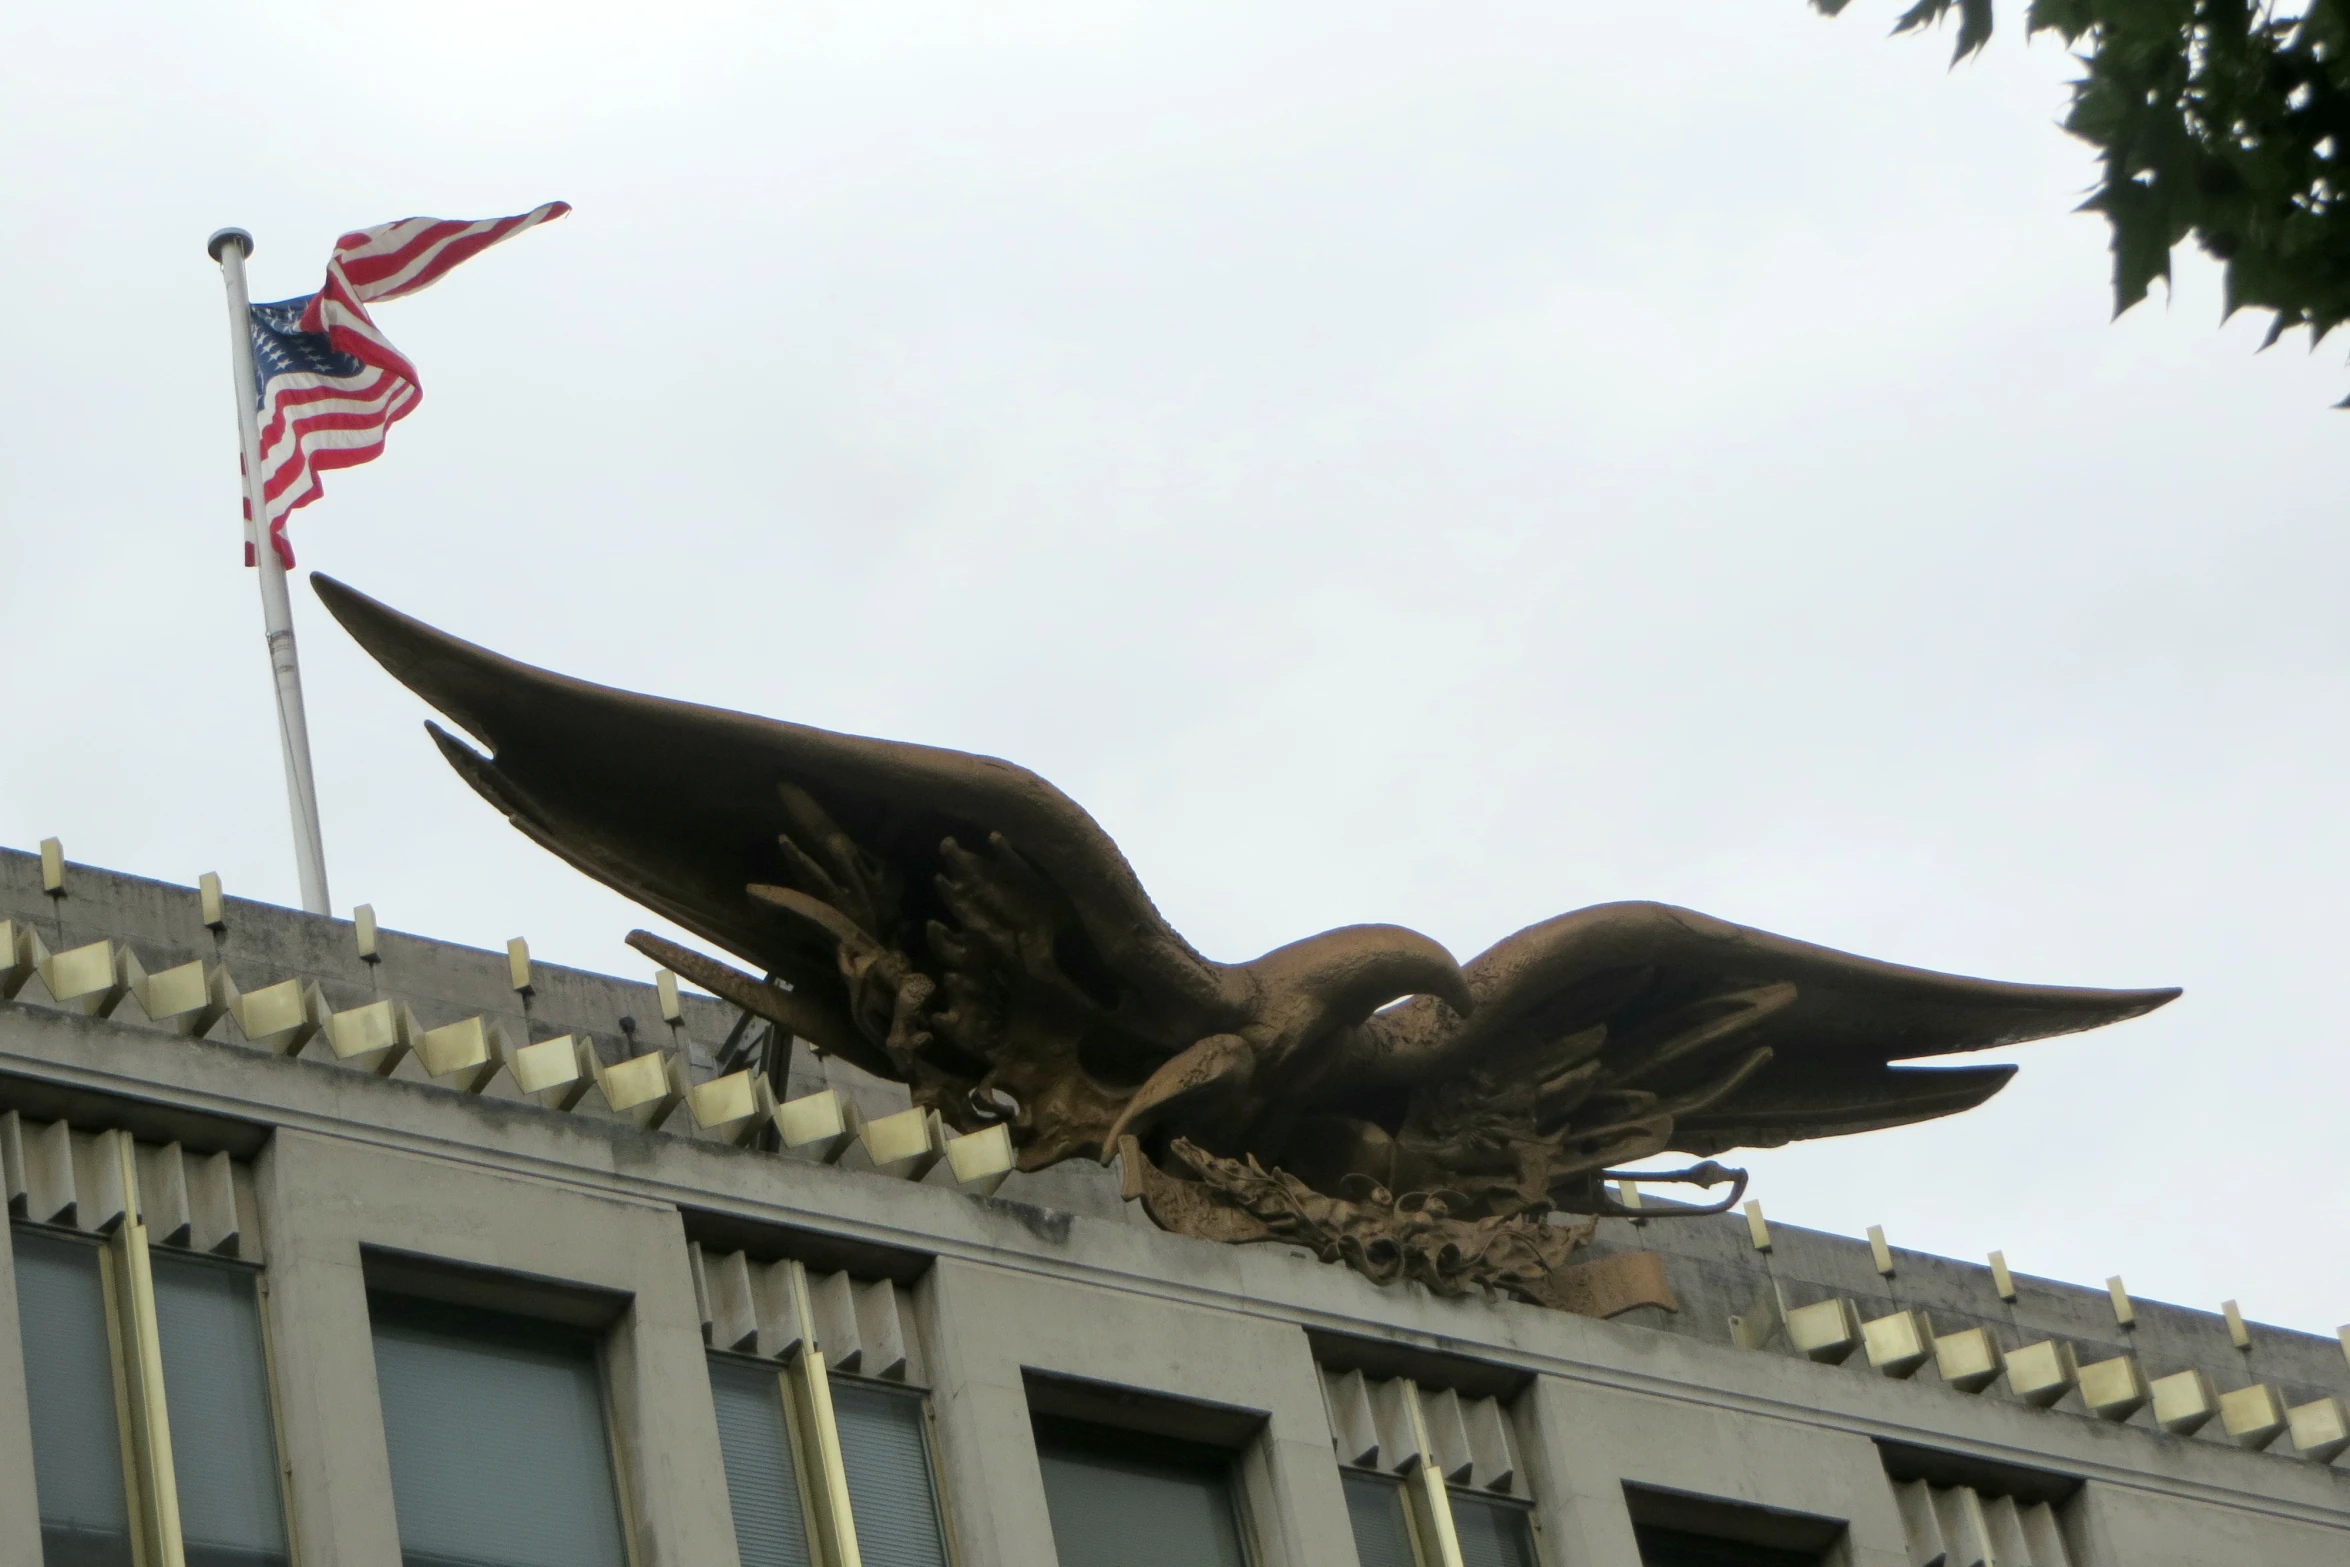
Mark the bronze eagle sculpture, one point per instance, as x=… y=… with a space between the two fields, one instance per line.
x=957 y=924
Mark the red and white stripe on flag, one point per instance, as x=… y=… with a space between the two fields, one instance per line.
x=313 y=421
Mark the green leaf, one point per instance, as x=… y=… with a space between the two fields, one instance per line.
x=2216 y=120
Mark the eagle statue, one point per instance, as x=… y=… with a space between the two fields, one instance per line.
x=957 y=924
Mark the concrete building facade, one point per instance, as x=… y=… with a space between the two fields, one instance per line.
x=808 y=1327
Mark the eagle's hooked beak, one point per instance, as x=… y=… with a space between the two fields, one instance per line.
x=1304 y=990
x=1220 y=1062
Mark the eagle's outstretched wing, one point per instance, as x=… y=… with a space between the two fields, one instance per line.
x=957 y=923
x=1744 y=1038
x=924 y=852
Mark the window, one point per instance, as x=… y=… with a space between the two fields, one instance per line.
x=72 y=1398
x=495 y=1427
x=1119 y=1499
x=1682 y=1529
x=1430 y=1477
x=223 y=1433
x=147 y=1371
x=1389 y=1528
x=1492 y=1532
x=1382 y=1520
x=821 y=1417
x=1677 y=1548
x=885 y=1448
x=763 y=1479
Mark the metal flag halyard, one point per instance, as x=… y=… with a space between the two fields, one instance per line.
x=230 y=247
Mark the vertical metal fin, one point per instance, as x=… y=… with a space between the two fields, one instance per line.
x=1921 y=1523
x=163 y=1195
x=881 y=1331
x=833 y=1313
x=1352 y=1428
x=734 y=1322
x=776 y=1305
x=214 y=1224
x=12 y=1182
x=1398 y=1424
x=1448 y=1436
x=1490 y=1444
x=48 y=1173
x=696 y=1268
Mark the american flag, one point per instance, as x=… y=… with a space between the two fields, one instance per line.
x=327 y=384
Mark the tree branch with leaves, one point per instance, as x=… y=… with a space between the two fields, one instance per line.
x=2219 y=120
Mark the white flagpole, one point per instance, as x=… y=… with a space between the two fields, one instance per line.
x=230 y=247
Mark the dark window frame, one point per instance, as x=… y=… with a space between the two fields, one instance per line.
x=472 y=1295
x=1521 y=1505
x=918 y=1394
x=806 y=1467
x=808 y=1464
x=1733 y=1531
x=167 y=1257
x=1401 y=1485
x=117 y=1311
x=1130 y=1436
x=136 y=1523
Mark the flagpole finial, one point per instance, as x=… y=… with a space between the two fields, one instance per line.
x=224 y=238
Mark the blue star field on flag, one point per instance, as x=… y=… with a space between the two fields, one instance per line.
x=281 y=347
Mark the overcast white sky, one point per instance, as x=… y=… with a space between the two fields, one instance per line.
x=1441 y=464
